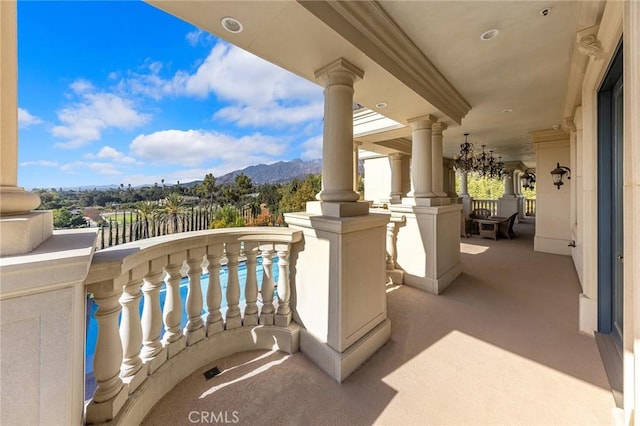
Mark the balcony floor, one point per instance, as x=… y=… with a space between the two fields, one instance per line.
x=499 y=346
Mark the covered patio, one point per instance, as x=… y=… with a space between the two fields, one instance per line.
x=479 y=353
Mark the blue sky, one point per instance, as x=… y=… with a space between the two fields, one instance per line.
x=121 y=92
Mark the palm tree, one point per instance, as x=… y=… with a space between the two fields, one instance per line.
x=173 y=207
x=146 y=210
x=227 y=216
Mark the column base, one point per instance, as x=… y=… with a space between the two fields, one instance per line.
x=215 y=327
x=396 y=276
x=175 y=347
x=426 y=202
x=194 y=336
x=428 y=246
x=434 y=285
x=338 y=209
x=15 y=200
x=153 y=363
x=250 y=320
x=507 y=205
x=136 y=379
x=102 y=412
x=339 y=365
x=23 y=233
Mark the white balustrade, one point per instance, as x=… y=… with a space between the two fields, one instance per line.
x=233 y=319
x=251 y=285
x=153 y=353
x=131 y=334
x=283 y=315
x=132 y=350
x=214 y=292
x=491 y=205
x=267 y=311
x=194 y=330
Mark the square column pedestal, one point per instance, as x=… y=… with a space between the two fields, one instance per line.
x=339 y=285
x=428 y=245
x=507 y=205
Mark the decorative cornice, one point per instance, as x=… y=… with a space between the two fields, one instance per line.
x=588 y=43
x=422 y=122
x=369 y=28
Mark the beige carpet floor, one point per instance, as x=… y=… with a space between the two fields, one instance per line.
x=499 y=347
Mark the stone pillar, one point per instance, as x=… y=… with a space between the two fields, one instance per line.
x=337 y=145
x=464 y=193
x=344 y=312
x=449 y=182
x=508 y=203
x=517 y=184
x=356 y=147
x=422 y=156
x=21 y=229
x=436 y=152
x=397 y=191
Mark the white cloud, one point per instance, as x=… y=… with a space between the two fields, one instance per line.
x=198 y=36
x=259 y=93
x=109 y=153
x=272 y=115
x=43 y=163
x=312 y=148
x=26 y=119
x=85 y=120
x=195 y=147
x=102 y=168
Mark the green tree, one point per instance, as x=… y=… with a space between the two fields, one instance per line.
x=296 y=193
x=146 y=213
x=63 y=218
x=227 y=216
x=173 y=208
x=209 y=186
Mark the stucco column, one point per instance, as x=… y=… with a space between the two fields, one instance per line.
x=422 y=156
x=436 y=160
x=13 y=199
x=464 y=184
x=356 y=160
x=337 y=146
x=508 y=184
x=464 y=193
x=396 y=177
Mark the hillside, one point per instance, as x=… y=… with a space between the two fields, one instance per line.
x=282 y=171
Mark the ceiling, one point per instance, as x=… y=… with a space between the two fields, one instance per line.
x=423 y=57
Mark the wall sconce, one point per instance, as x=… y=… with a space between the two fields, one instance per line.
x=528 y=180
x=558 y=173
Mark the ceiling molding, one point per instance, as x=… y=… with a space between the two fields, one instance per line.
x=369 y=28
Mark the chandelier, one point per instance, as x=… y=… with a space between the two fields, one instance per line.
x=482 y=165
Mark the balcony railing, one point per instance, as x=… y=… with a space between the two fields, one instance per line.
x=530 y=207
x=140 y=357
x=491 y=205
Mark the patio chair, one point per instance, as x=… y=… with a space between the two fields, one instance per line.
x=506 y=226
x=471 y=226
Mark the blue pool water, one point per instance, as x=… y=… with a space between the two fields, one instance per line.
x=92 y=325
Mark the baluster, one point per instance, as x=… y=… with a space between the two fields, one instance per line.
x=214 y=293
x=251 y=285
x=131 y=370
x=266 y=313
x=233 y=320
x=283 y=316
x=194 y=330
x=153 y=354
x=111 y=393
x=173 y=338
x=391 y=246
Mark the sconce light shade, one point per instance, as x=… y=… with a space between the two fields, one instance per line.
x=558 y=173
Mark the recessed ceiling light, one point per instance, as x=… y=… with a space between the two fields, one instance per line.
x=546 y=11
x=381 y=104
x=507 y=110
x=555 y=126
x=231 y=24
x=488 y=35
